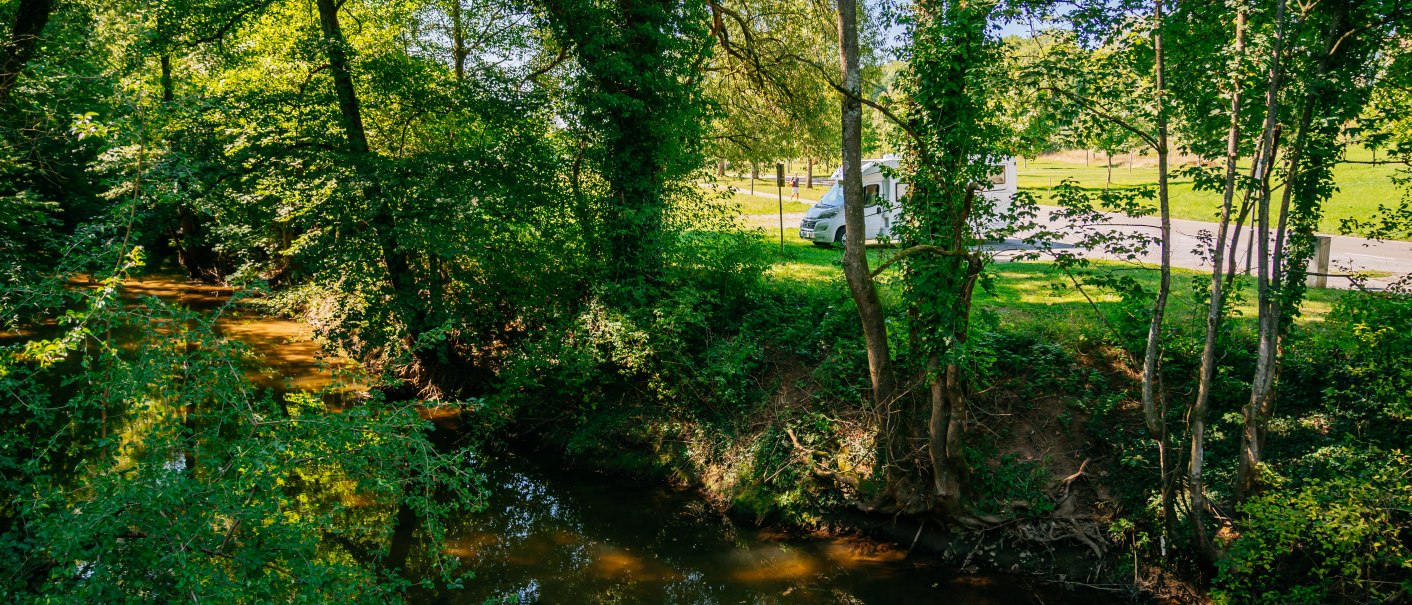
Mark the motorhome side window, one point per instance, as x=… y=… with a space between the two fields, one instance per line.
x=997 y=178
x=871 y=191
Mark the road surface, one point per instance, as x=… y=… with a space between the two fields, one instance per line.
x=1385 y=261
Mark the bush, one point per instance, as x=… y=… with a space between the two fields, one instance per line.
x=1327 y=541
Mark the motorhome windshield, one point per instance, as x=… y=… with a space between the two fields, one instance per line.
x=832 y=198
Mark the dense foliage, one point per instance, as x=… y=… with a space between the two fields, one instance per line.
x=493 y=210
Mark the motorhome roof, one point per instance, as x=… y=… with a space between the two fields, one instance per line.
x=870 y=165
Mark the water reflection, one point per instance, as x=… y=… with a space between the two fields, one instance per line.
x=551 y=535
x=287 y=356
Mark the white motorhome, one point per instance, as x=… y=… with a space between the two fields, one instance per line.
x=823 y=224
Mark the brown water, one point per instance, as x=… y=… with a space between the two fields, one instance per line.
x=292 y=358
x=554 y=535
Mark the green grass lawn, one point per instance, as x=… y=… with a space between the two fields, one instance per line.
x=768 y=186
x=755 y=205
x=1024 y=293
x=1362 y=187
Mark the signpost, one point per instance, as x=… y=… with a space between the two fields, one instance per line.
x=779 y=188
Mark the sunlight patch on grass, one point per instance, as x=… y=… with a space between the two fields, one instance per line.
x=768 y=186
x=750 y=205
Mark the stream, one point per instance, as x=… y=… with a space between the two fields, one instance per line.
x=553 y=534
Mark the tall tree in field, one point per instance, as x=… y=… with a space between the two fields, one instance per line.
x=1154 y=402
x=1147 y=101
x=1207 y=25
x=953 y=135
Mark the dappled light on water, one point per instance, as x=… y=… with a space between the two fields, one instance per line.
x=287 y=355
x=551 y=534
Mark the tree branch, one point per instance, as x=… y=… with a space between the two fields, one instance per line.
x=1093 y=107
x=557 y=61
x=972 y=259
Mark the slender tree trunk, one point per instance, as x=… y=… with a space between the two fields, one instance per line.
x=720 y=167
x=1109 y=182
x=1275 y=303
x=336 y=49
x=30 y=18
x=1233 y=254
x=1263 y=383
x=167 y=88
x=855 y=258
x=1214 y=310
x=1153 y=402
x=458 y=41
x=398 y=264
x=809 y=181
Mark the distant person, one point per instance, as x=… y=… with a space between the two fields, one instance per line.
x=794 y=184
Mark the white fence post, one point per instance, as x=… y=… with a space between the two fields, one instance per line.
x=1319 y=265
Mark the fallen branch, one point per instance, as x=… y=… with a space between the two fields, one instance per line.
x=807 y=456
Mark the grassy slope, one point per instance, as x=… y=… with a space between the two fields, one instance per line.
x=1362 y=187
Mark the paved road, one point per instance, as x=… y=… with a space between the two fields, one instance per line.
x=1389 y=260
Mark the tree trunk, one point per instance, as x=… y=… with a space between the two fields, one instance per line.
x=30 y=18
x=855 y=259
x=1214 y=312
x=809 y=181
x=1155 y=411
x=720 y=167
x=1109 y=182
x=167 y=88
x=1233 y=255
x=335 y=46
x=947 y=425
x=398 y=265
x=458 y=41
x=1277 y=301
x=1263 y=382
